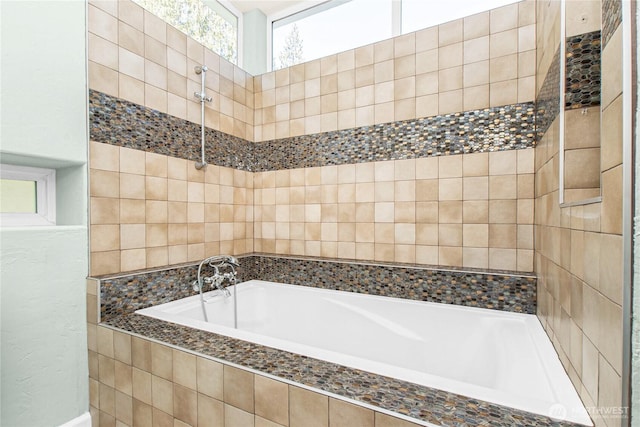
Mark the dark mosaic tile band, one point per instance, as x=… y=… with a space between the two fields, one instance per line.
x=125 y=124
x=583 y=71
x=548 y=100
x=473 y=289
x=127 y=294
x=495 y=290
x=122 y=123
x=492 y=129
x=402 y=397
x=611 y=18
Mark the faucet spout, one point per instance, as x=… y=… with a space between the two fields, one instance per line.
x=218 y=279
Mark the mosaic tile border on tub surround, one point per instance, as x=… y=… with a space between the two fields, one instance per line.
x=583 y=71
x=125 y=124
x=611 y=19
x=418 y=402
x=508 y=127
x=548 y=100
x=492 y=290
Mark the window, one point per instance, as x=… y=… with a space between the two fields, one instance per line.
x=338 y=25
x=27 y=196
x=329 y=28
x=206 y=21
x=419 y=14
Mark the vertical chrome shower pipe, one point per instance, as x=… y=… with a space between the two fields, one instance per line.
x=202 y=96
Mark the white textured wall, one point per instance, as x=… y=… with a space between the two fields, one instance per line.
x=44 y=372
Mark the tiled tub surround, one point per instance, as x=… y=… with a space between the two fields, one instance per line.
x=579 y=248
x=137 y=57
x=470 y=210
x=150 y=210
x=481 y=61
x=548 y=100
x=125 y=124
x=462 y=87
x=495 y=290
x=582 y=111
x=462 y=196
x=611 y=18
x=181 y=373
x=507 y=127
x=146 y=365
x=583 y=72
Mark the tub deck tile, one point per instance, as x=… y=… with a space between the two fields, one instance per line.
x=402 y=397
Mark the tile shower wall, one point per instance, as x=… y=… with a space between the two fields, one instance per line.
x=150 y=210
x=150 y=207
x=467 y=210
x=579 y=248
x=471 y=210
x=484 y=60
x=136 y=56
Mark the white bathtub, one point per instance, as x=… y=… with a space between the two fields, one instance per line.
x=500 y=357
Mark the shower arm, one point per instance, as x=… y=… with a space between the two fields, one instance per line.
x=202 y=96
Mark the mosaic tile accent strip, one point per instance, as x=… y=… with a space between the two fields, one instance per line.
x=611 y=18
x=583 y=71
x=127 y=294
x=122 y=123
x=492 y=129
x=548 y=100
x=402 y=397
x=125 y=124
x=498 y=291
x=495 y=290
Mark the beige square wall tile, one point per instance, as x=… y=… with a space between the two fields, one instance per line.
x=343 y=414
x=104 y=156
x=103 y=24
x=239 y=388
x=104 y=183
x=476 y=25
x=427 y=39
x=210 y=410
x=308 y=409
x=450 y=32
x=272 y=400
x=103 y=79
x=503 y=43
x=209 y=378
x=504 y=18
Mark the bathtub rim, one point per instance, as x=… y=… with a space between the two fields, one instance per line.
x=544 y=350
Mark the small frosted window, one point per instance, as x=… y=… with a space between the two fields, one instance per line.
x=27 y=196
x=17 y=196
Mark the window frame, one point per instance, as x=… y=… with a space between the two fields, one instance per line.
x=223 y=8
x=226 y=4
x=306 y=8
x=285 y=13
x=45 y=180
